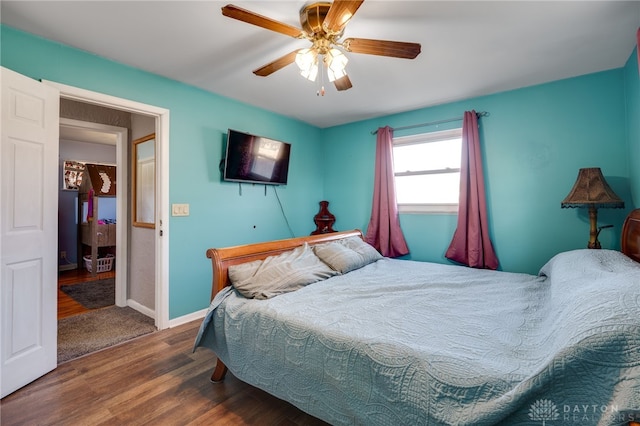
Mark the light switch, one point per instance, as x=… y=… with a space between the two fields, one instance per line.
x=180 y=210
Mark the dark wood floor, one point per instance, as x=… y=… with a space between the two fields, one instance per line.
x=152 y=380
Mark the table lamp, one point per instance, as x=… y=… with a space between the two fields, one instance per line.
x=592 y=190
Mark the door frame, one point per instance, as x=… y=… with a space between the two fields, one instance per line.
x=121 y=142
x=162 y=178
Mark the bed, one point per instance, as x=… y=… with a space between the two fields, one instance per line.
x=395 y=342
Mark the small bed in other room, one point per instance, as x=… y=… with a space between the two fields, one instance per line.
x=391 y=342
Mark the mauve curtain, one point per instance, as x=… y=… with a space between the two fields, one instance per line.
x=471 y=245
x=384 y=231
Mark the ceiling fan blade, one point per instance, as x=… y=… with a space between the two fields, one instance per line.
x=395 y=49
x=274 y=66
x=339 y=14
x=249 y=17
x=343 y=83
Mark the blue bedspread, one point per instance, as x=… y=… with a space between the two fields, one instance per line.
x=411 y=343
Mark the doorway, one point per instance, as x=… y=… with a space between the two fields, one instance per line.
x=160 y=120
x=81 y=231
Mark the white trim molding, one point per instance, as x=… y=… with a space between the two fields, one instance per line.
x=162 y=176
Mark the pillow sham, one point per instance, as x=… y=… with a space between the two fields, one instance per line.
x=364 y=249
x=275 y=275
x=243 y=271
x=339 y=257
x=346 y=255
x=588 y=262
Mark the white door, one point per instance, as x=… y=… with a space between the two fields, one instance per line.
x=28 y=230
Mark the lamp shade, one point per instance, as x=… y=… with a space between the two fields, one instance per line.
x=592 y=190
x=336 y=62
x=307 y=61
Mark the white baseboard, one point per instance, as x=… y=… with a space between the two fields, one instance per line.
x=141 y=308
x=67 y=267
x=198 y=315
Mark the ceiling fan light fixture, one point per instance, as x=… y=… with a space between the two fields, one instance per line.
x=336 y=62
x=311 y=73
x=323 y=23
x=307 y=61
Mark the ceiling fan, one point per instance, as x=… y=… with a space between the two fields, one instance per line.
x=323 y=24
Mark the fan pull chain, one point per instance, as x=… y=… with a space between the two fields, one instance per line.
x=321 y=91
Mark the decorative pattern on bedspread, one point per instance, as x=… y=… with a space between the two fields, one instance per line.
x=403 y=342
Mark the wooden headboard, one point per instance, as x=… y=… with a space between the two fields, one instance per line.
x=222 y=258
x=630 y=238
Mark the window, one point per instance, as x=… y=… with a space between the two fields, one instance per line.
x=427 y=171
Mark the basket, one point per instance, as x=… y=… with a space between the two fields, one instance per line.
x=103 y=264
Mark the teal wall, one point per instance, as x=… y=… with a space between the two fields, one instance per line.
x=219 y=216
x=632 y=92
x=534 y=142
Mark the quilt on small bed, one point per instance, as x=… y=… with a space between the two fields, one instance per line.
x=404 y=342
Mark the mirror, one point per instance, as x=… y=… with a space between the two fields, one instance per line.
x=144 y=181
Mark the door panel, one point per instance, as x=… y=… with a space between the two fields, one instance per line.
x=23 y=289
x=28 y=230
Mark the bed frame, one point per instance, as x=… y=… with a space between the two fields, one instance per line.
x=222 y=258
x=630 y=240
x=630 y=245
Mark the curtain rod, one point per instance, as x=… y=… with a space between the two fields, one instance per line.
x=431 y=123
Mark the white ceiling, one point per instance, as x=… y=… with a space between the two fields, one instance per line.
x=73 y=133
x=469 y=48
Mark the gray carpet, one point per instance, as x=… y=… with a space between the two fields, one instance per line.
x=93 y=294
x=85 y=333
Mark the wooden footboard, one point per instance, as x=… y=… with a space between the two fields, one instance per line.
x=630 y=239
x=222 y=258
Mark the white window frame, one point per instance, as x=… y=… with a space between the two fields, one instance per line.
x=421 y=138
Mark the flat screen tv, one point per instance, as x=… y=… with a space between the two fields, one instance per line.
x=255 y=159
